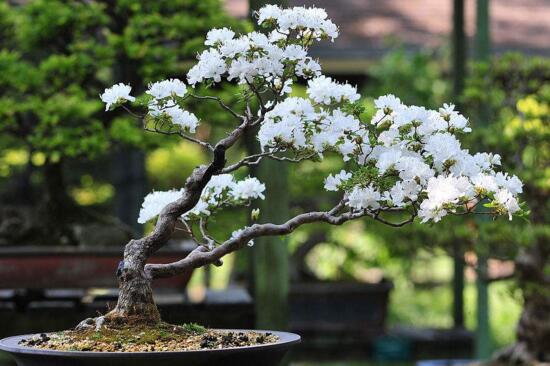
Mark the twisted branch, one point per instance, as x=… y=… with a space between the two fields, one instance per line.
x=202 y=256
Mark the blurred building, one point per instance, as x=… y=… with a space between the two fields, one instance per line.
x=368 y=27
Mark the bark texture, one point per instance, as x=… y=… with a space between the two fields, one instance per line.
x=136 y=296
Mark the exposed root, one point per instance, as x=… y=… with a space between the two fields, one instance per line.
x=115 y=319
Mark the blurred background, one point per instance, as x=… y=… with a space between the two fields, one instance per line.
x=72 y=179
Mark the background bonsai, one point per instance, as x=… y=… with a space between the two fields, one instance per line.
x=404 y=163
x=56 y=57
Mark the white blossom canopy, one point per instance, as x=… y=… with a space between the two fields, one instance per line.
x=406 y=158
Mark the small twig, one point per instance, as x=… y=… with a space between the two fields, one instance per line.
x=221 y=103
x=211 y=242
x=204 y=144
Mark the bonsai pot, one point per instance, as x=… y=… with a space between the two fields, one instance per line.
x=265 y=355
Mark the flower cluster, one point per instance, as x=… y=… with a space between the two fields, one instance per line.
x=415 y=160
x=405 y=158
x=274 y=59
x=309 y=22
x=221 y=191
x=323 y=90
x=164 y=102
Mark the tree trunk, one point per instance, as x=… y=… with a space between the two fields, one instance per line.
x=135 y=299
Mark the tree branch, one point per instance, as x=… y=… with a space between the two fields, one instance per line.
x=202 y=256
x=221 y=103
x=137 y=251
x=255 y=159
x=204 y=144
x=247 y=161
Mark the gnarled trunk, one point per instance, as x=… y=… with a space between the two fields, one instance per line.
x=135 y=298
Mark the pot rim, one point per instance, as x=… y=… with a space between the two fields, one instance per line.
x=11 y=345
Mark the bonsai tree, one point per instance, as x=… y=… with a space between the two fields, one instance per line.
x=404 y=164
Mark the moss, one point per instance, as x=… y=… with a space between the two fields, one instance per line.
x=194 y=328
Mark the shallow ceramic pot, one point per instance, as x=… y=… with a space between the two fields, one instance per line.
x=264 y=355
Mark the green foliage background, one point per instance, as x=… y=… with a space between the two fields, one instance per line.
x=57 y=56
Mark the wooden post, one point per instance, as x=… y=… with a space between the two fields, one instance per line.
x=459 y=48
x=270 y=254
x=483 y=336
x=459 y=72
x=458 y=285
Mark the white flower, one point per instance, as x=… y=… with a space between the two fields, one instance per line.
x=154 y=202
x=443 y=192
x=218 y=35
x=332 y=183
x=167 y=88
x=512 y=184
x=411 y=167
x=363 y=198
x=466 y=165
x=219 y=183
x=453 y=118
x=388 y=137
x=442 y=147
x=294 y=52
x=188 y=121
x=346 y=149
x=507 y=201
x=308 y=67
x=233 y=47
x=210 y=66
x=388 y=159
x=314 y=19
x=410 y=114
x=388 y=102
x=486 y=161
x=485 y=182
x=323 y=90
x=249 y=188
x=285 y=123
x=330 y=29
x=118 y=93
x=202 y=208
x=269 y=12
x=434 y=123
x=402 y=190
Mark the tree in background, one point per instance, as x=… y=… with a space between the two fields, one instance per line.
x=516 y=90
x=56 y=57
x=519 y=100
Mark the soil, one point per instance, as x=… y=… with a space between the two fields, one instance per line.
x=147 y=338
